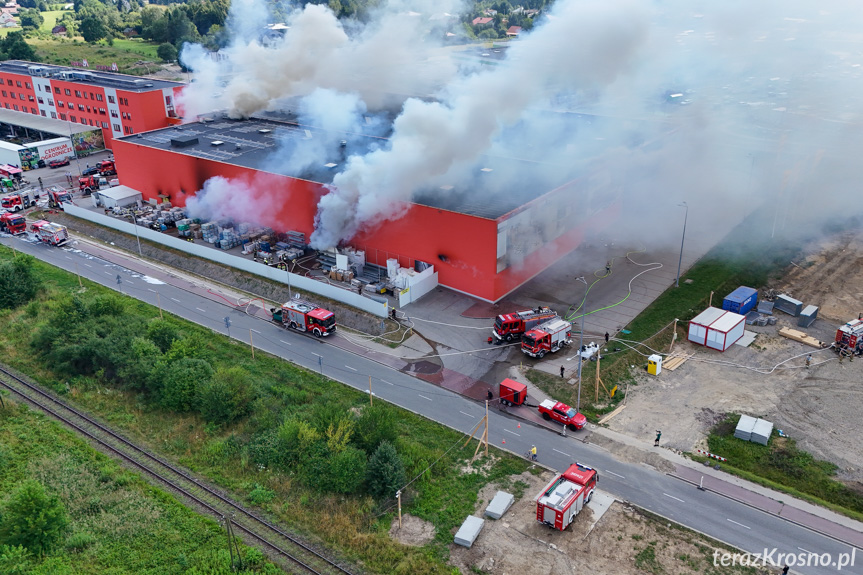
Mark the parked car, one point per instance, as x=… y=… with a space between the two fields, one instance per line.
x=59 y=162
x=92 y=170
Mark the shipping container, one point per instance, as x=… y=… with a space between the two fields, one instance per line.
x=741 y=300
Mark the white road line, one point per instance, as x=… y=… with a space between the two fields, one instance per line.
x=385 y=381
x=513 y=432
x=109 y=273
x=152 y=290
x=677 y=499
x=562 y=453
x=353 y=368
x=805 y=550
x=469 y=415
x=176 y=300
x=284 y=342
x=199 y=309
x=256 y=331
x=313 y=353
x=88 y=265
x=736 y=523
x=424 y=397
x=616 y=474
x=67 y=257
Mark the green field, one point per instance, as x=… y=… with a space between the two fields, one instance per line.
x=51 y=18
x=145 y=49
x=273 y=434
x=126 y=53
x=117 y=523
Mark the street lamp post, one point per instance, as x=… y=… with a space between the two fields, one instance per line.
x=581 y=343
x=682 y=238
x=135 y=223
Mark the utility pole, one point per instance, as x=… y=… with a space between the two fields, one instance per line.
x=78 y=273
x=399 y=498
x=682 y=238
x=159 y=303
x=371 y=400
x=581 y=343
x=252 y=343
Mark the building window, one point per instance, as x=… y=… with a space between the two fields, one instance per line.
x=60 y=103
x=40 y=100
x=72 y=118
x=84 y=121
x=113 y=114
x=56 y=90
x=116 y=127
x=4 y=93
x=28 y=86
x=38 y=87
x=99 y=98
x=67 y=91
x=9 y=82
x=50 y=102
x=18 y=83
x=80 y=107
x=62 y=116
x=102 y=111
x=34 y=111
x=43 y=113
x=15 y=106
x=54 y=115
x=31 y=98
x=111 y=100
x=92 y=97
x=77 y=93
x=85 y=95
x=124 y=101
x=12 y=95
x=105 y=125
x=88 y=110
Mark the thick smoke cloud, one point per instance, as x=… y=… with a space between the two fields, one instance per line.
x=718 y=104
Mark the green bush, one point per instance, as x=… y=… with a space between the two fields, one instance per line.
x=180 y=381
x=18 y=284
x=385 y=474
x=375 y=425
x=14 y=560
x=31 y=518
x=227 y=396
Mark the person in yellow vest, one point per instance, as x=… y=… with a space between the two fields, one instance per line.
x=533 y=452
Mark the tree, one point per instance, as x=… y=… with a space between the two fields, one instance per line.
x=375 y=425
x=15 y=47
x=18 y=283
x=227 y=396
x=385 y=472
x=167 y=52
x=92 y=28
x=33 y=519
x=31 y=19
x=180 y=381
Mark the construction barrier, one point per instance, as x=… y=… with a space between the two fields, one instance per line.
x=705 y=453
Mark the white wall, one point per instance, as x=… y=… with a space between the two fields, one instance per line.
x=300 y=282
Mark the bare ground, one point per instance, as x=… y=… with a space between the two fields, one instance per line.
x=622 y=542
x=819 y=407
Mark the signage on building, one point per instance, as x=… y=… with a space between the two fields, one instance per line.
x=53 y=151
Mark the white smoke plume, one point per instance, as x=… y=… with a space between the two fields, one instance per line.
x=235 y=200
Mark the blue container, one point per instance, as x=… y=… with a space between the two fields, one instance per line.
x=741 y=300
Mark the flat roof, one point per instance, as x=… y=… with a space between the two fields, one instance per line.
x=87 y=76
x=118 y=193
x=43 y=124
x=495 y=186
x=708 y=316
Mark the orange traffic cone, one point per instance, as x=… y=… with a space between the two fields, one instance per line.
x=504 y=441
x=519 y=426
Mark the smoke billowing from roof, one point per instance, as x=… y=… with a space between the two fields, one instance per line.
x=697 y=101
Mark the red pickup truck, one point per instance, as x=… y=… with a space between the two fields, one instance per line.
x=562 y=413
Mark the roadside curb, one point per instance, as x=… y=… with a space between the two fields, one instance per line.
x=751 y=506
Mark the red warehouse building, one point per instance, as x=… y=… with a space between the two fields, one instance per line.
x=115 y=103
x=482 y=239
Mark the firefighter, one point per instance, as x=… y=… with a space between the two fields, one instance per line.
x=561 y=371
x=658 y=436
x=606 y=337
x=394 y=314
x=608 y=267
x=808 y=360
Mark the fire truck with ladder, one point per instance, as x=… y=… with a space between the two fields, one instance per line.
x=513 y=325
x=567 y=494
x=56 y=197
x=547 y=338
x=849 y=337
x=19 y=200
x=51 y=233
x=305 y=316
x=13 y=223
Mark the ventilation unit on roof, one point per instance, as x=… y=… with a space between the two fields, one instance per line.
x=216 y=143
x=330 y=165
x=184 y=141
x=486 y=170
x=264 y=131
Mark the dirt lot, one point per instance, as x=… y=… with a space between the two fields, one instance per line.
x=819 y=407
x=622 y=542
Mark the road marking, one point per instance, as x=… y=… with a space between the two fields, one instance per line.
x=88 y=265
x=385 y=381
x=513 y=432
x=469 y=415
x=805 y=550
x=109 y=273
x=313 y=353
x=199 y=309
x=67 y=257
x=176 y=300
x=677 y=499
x=424 y=397
x=353 y=368
x=562 y=453
x=616 y=474
x=736 y=523
x=256 y=331
x=152 y=290
x=284 y=342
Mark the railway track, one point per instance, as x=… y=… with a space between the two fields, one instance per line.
x=295 y=555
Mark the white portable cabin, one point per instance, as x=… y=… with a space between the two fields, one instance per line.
x=716 y=328
x=117 y=197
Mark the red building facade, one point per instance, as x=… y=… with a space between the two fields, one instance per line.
x=117 y=104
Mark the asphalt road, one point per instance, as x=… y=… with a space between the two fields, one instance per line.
x=724 y=519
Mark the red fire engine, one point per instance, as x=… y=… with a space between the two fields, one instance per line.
x=850 y=337
x=56 y=197
x=52 y=233
x=512 y=392
x=547 y=338
x=107 y=168
x=19 y=200
x=304 y=316
x=512 y=325
x=562 y=413
x=566 y=495
x=13 y=223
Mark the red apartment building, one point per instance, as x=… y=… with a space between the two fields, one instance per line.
x=120 y=105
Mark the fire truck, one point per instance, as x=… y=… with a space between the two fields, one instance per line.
x=89 y=184
x=52 y=233
x=561 y=500
x=562 y=413
x=305 y=316
x=107 y=168
x=547 y=338
x=13 y=223
x=850 y=337
x=513 y=325
x=56 y=197
x=19 y=200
